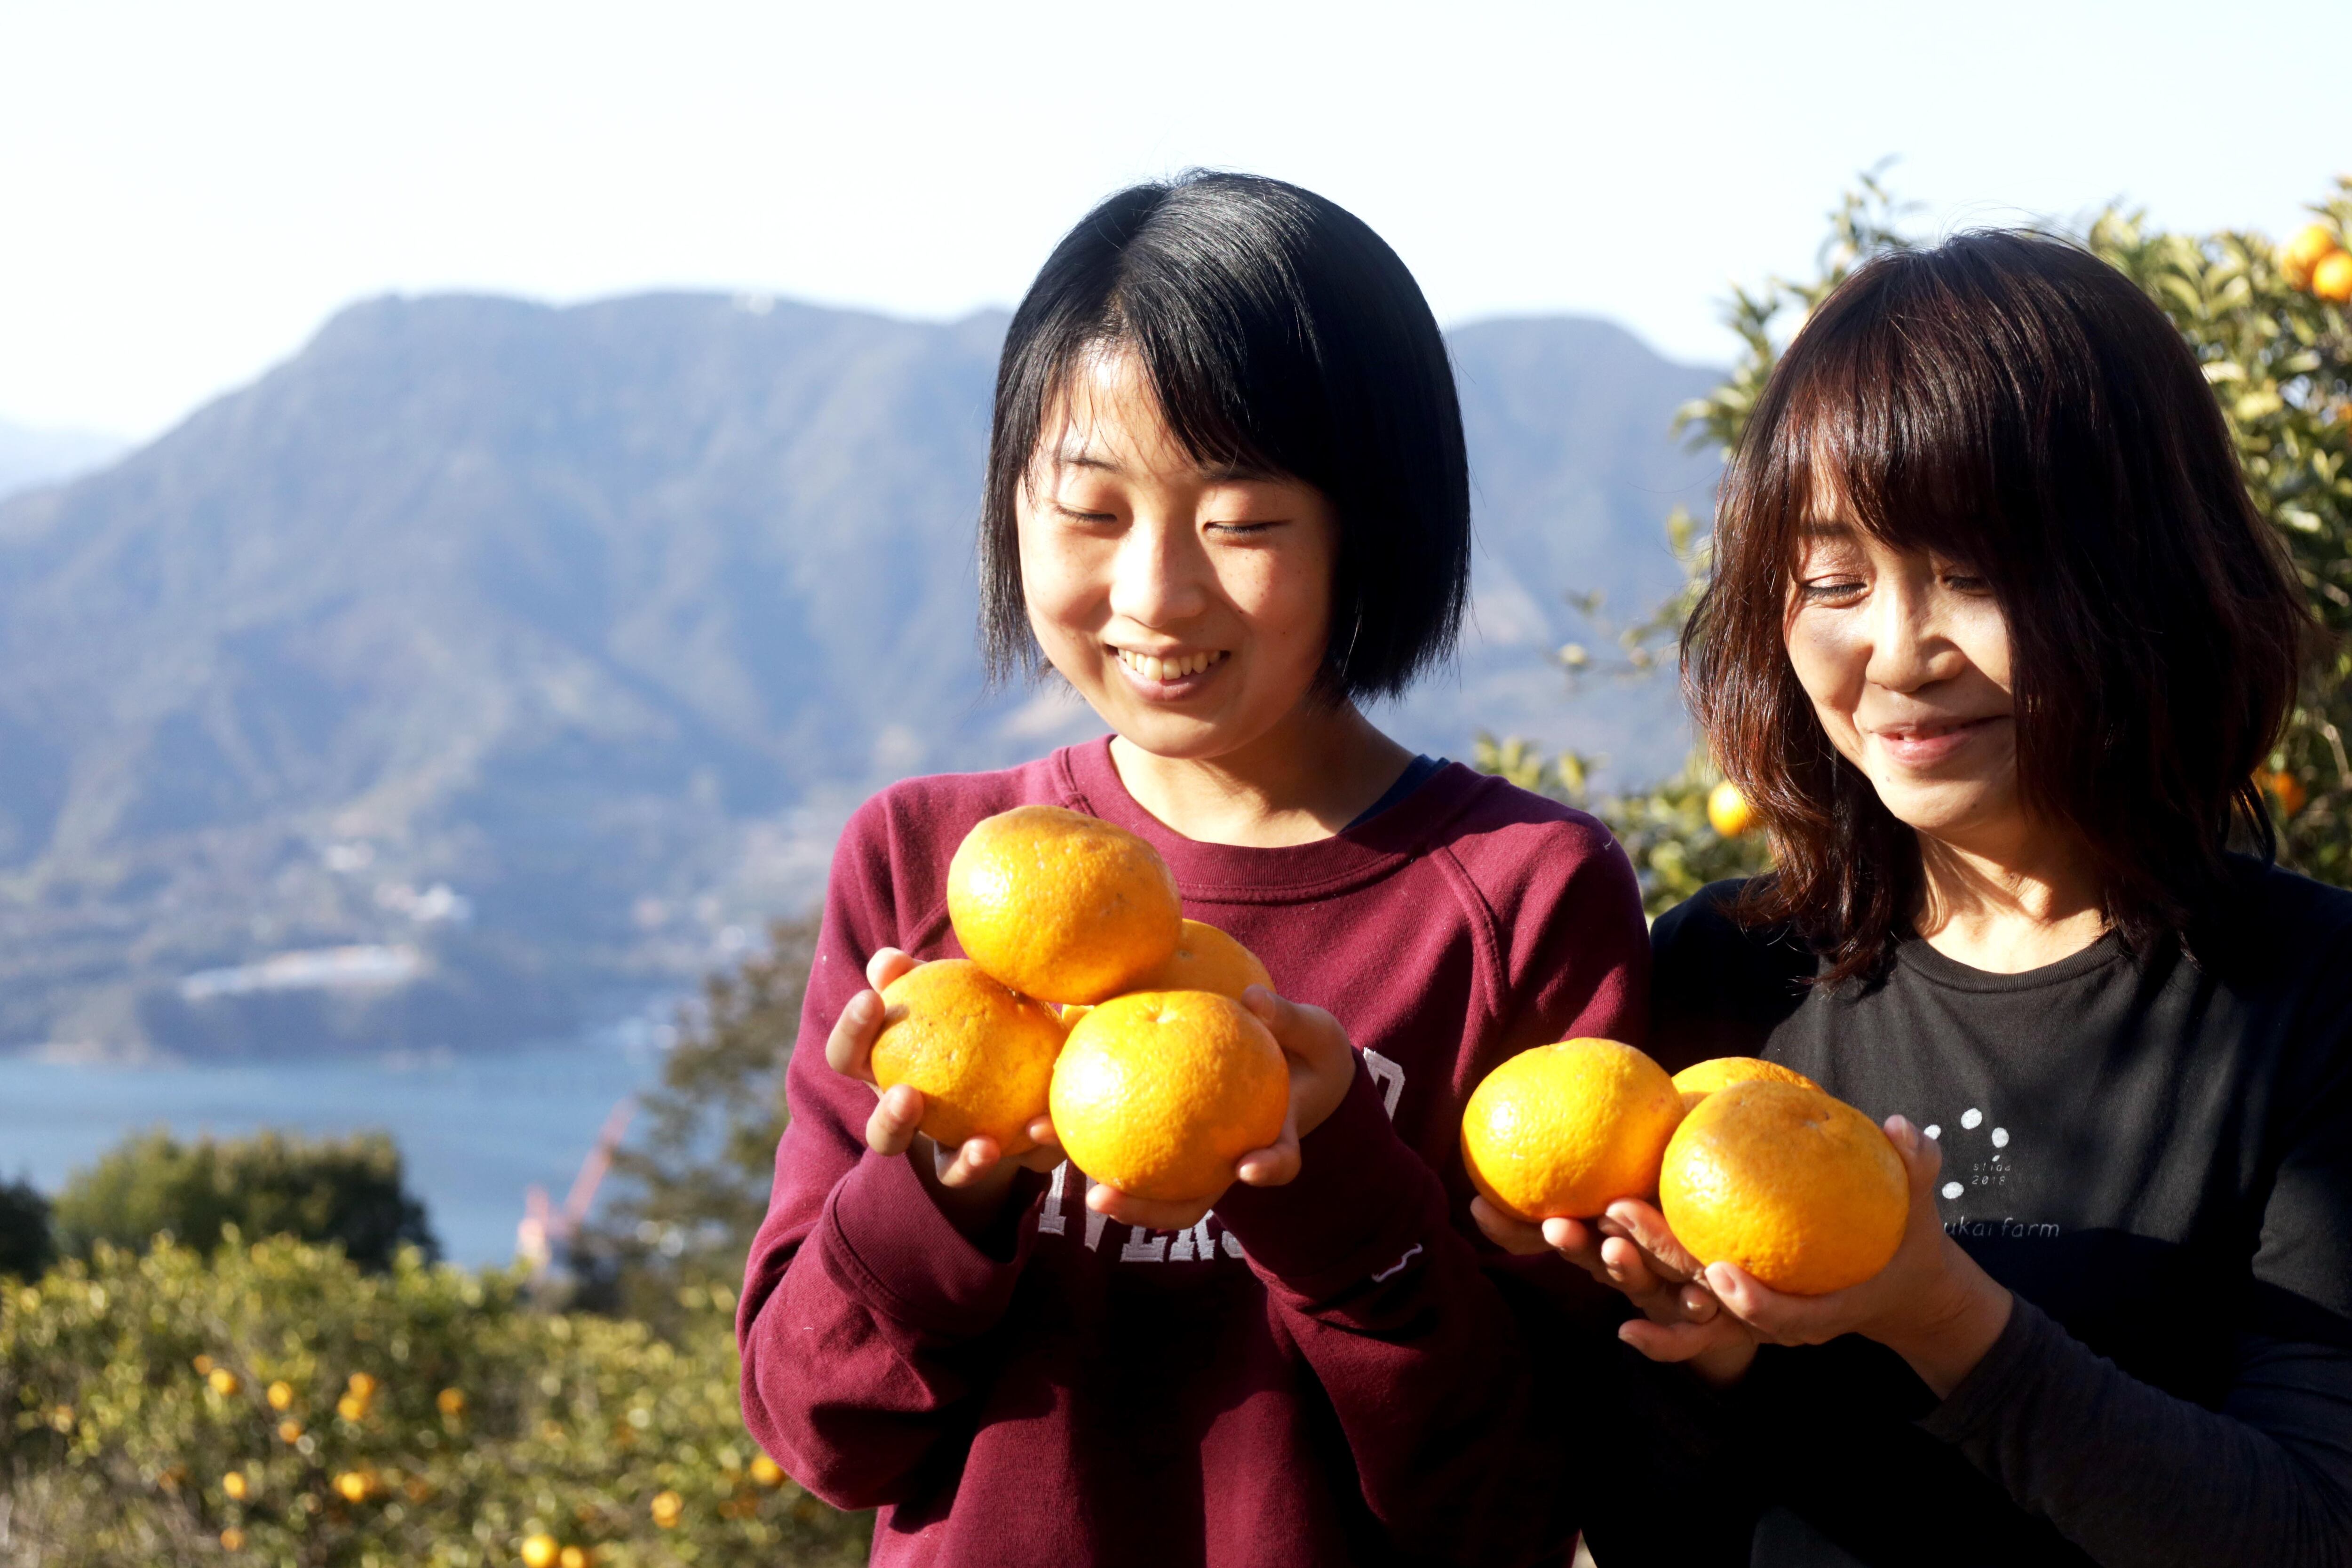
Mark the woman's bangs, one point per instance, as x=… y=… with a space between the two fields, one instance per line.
x=1893 y=438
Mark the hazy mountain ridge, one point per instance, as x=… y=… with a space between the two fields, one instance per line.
x=31 y=458
x=552 y=646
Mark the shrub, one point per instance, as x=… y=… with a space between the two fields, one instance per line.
x=275 y=1404
x=27 y=1244
x=346 y=1190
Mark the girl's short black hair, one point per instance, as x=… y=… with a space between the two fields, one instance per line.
x=1279 y=334
x=2011 y=403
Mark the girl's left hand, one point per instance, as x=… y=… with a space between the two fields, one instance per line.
x=1322 y=1065
x=1931 y=1304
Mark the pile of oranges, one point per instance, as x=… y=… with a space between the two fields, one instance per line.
x=1751 y=1163
x=1087 y=995
x=2316 y=259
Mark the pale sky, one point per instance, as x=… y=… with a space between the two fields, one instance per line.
x=186 y=191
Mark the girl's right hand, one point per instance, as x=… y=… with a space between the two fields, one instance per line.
x=978 y=1167
x=1631 y=1250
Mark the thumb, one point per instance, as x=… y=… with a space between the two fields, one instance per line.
x=1923 y=1157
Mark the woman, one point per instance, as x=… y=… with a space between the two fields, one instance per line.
x=1226 y=502
x=1995 y=643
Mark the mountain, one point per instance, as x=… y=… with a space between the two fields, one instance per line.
x=30 y=458
x=490 y=668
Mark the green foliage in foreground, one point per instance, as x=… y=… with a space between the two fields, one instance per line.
x=344 y=1190
x=1663 y=829
x=275 y=1404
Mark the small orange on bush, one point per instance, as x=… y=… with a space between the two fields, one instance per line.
x=280 y=1395
x=2331 y=279
x=290 y=1431
x=538 y=1551
x=1566 y=1130
x=224 y=1381
x=235 y=1486
x=352 y=1486
x=450 y=1402
x=667 y=1508
x=1803 y=1191
x=766 y=1471
x=232 y=1538
x=1158 y=1092
x=2311 y=245
x=1727 y=811
x=983 y=1056
x=571 y=1557
x=2285 y=788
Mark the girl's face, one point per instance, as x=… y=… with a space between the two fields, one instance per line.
x=1189 y=606
x=1906 y=659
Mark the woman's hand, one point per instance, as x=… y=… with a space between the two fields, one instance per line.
x=970 y=1181
x=1322 y=1065
x=1631 y=1250
x=1931 y=1304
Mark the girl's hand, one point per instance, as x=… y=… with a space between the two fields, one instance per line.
x=1931 y=1304
x=1631 y=1250
x=1322 y=1065
x=977 y=1168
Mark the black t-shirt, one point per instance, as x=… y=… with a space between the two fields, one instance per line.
x=2157 y=1153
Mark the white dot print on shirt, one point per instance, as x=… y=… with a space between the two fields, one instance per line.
x=1970 y=1118
x=1953 y=1189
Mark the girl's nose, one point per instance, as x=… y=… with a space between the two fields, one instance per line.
x=1159 y=576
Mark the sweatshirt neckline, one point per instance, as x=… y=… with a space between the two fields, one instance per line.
x=1918 y=955
x=1291 y=873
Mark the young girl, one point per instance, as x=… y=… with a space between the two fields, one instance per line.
x=1226 y=500
x=1995 y=644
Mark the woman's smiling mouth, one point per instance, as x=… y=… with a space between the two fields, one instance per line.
x=1926 y=742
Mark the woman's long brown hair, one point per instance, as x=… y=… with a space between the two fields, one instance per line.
x=2010 y=403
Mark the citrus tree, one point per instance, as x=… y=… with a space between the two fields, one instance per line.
x=2269 y=324
x=273 y=1403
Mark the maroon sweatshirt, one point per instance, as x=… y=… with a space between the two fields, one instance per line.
x=1321 y=1372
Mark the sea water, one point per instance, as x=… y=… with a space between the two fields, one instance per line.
x=476 y=1131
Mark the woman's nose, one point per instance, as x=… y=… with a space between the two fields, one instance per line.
x=1159 y=576
x=1908 y=648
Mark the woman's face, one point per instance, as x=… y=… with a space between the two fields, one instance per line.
x=1189 y=606
x=1906 y=659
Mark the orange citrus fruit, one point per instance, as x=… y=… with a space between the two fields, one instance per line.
x=1727 y=811
x=1158 y=1092
x=2285 y=788
x=2331 y=277
x=2300 y=255
x=1803 y=1191
x=1061 y=906
x=1567 y=1130
x=1206 y=959
x=983 y=1056
x=1700 y=1079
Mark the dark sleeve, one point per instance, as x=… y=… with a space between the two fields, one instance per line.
x=1416 y=1349
x=2139 y=1478
x=862 y=1302
x=1718 y=988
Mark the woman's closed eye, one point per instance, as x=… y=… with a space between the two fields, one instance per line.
x=1829 y=590
x=1247 y=529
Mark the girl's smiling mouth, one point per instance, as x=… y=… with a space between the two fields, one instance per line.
x=1176 y=673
